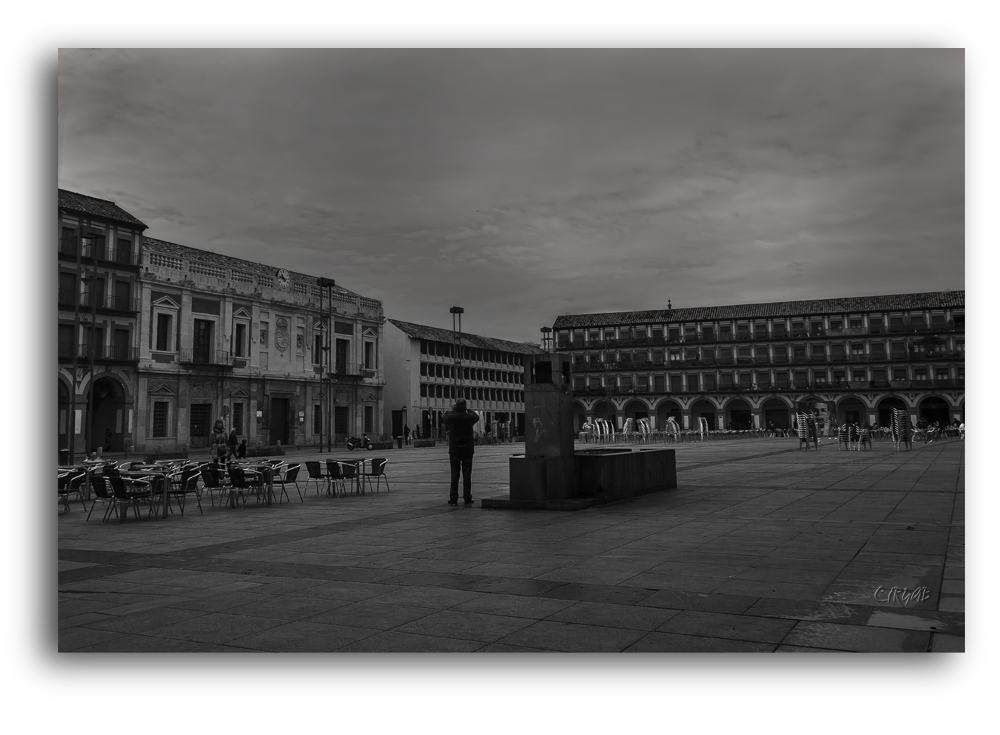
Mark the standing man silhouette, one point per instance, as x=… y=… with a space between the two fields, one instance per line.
x=461 y=448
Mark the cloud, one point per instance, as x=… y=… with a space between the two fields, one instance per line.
x=582 y=178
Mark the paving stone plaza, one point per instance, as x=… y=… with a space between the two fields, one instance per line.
x=762 y=547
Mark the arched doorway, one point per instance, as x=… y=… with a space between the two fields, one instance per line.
x=601 y=411
x=851 y=410
x=703 y=409
x=665 y=409
x=636 y=410
x=739 y=417
x=885 y=408
x=108 y=428
x=934 y=409
x=777 y=412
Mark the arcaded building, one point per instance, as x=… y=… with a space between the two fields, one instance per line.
x=98 y=263
x=427 y=369
x=750 y=365
x=283 y=357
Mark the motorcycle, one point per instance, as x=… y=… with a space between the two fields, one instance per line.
x=353 y=442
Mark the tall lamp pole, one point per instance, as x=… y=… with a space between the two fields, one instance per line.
x=325 y=286
x=92 y=345
x=456 y=334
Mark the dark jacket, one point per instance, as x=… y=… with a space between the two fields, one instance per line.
x=462 y=441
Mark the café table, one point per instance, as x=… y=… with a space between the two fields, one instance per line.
x=157 y=479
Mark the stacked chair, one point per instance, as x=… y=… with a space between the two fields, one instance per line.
x=807 y=430
x=902 y=433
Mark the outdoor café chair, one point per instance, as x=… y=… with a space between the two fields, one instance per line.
x=335 y=475
x=125 y=495
x=70 y=482
x=242 y=483
x=99 y=486
x=215 y=481
x=316 y=475
x=288 y=477
x=183 y=484
x=377 y=470
x=350 y=472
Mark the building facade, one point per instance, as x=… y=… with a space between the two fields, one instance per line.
x=99 y=255
x=282 y=357
x=747 y=366
x=427 y=370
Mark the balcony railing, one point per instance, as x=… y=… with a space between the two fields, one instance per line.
x=112 y=353
x=68 y=247
x=215 y=358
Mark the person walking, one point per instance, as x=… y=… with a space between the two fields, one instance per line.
x=461 y=448
x=406 y=434
x=233 y=444
x=219 y=442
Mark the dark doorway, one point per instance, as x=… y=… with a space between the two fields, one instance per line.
x=200 y=424
x=397 y=423
x=885 y=408
x=740 y=419
x=279 y=421
x=935 y=409
x=109 y=409
x=340 y=423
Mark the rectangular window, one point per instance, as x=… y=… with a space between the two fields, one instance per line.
x=676 y=384
x=626 y=382
x=726 y=380
x=161 y=410
x=781 y=379
x=318 y=349
x=878 y=375
x=836 y=324
x=898 y=350
x=899 y=374
x=920 y=374
x=123 y=296
x=163 y=332
x=878 y=350
x=941 y=374
x=674 y=334
x=659 y=383
x=708 y=333
x=763 y=380
x=725 y=331
x=369 y=355
x=340 y=420
x=760 y=331
x=858 y=376
x=855 y=323
x=779 y=331
x=369 y=419
x=746 y=380
x=239 y=341
x=423 y=390
x=238 y=418
x=708 y=382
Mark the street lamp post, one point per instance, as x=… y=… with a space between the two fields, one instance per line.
x=456 y=314
x=92 y=349
x=325 y=286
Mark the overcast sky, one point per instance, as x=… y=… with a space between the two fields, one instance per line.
x=526 y=184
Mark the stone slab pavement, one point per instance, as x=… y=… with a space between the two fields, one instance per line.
x=762 y=547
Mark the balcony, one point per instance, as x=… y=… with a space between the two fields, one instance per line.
x=119 y=256
x=101 y=353
x=848 y=332
x=205 y=358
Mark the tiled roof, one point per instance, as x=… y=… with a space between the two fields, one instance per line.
x=419 y=331
x=851 y=305
x=152 y=245
x=71 y=201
